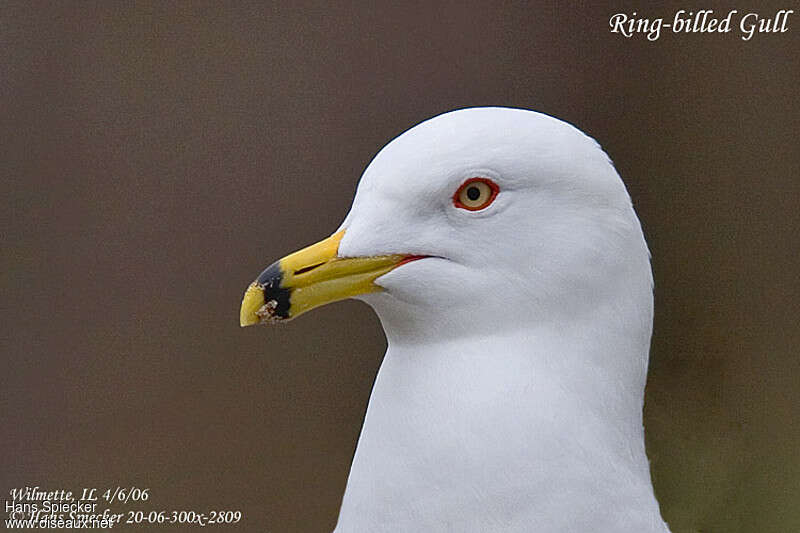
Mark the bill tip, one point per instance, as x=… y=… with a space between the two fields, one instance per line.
x=252 y=302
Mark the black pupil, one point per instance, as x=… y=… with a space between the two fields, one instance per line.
x=473 y=193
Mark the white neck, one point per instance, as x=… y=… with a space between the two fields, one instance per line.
x=532 y=430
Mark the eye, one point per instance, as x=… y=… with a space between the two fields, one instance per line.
x=475 y=194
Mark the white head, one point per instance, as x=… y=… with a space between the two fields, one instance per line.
x=560 y=238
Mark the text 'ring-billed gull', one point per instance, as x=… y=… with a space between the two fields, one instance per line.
x=503 y=257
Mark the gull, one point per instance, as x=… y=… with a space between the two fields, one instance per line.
x=501 y=252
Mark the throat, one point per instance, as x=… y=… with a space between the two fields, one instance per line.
x=519 y=433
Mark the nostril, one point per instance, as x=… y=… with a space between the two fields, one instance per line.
x=307 y=269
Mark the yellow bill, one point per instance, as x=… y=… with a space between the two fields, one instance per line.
x=312 y=277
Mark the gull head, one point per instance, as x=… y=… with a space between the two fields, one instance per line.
x=478 y=219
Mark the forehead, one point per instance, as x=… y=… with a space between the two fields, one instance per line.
x=518 y=145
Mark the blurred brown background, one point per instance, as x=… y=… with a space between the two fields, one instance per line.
x=156 y=156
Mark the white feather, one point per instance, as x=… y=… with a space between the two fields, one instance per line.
x=510 y=397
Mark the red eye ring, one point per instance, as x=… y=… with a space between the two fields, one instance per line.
x=475 y=194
